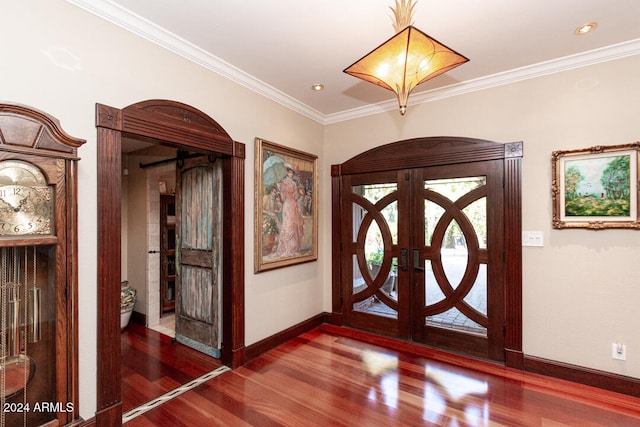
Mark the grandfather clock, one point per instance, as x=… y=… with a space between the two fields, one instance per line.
x=38 y=270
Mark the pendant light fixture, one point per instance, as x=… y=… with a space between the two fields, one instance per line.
x=407 y=59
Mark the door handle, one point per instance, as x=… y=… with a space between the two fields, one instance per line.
x=416 y=260
x=404 y=254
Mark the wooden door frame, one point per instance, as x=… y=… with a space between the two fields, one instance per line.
x=439 y=151
x=182 y=126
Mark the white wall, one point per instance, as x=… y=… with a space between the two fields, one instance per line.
x=98 y=62
x=134 y=249
x=143 y=233
x=582 y=289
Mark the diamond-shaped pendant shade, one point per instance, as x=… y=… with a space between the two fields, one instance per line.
x=404 y=61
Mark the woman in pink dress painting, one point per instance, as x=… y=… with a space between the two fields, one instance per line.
x=292 y=229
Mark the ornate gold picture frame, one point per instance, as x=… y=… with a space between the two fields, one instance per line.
x=596 y=188
x=286 y=208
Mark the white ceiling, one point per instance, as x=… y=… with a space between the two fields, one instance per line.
x=279 y=48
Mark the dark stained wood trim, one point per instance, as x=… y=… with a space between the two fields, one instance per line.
x=233 y=286
x=592 y=377
x=108 y=117
x=109 y=275
x=513 y=254
x=139 y=318
x=174 y=131
x=513 y=359
x=425 y=152
x=442 y=151
x=259 y=348
x=336 y=232
x=179 y=125
x=109 y=416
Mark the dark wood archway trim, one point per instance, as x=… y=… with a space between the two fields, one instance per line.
x=181 y=126
x=437 y=151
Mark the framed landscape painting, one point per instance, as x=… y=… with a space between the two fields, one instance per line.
x=286 y=209
x=596 y=187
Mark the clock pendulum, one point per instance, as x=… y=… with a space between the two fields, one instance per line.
x=20 y=323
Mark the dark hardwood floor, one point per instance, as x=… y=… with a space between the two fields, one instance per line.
x=336 y=376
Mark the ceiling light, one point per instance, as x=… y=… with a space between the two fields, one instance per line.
x=317 y=87
x=405 y=60
x=586 y=28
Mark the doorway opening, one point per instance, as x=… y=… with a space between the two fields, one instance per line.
x=428 y=235
x=149 y=241
x=179 y=126
x=453 y=258
x=148 y=231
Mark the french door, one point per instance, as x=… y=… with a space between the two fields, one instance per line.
x=422 y=255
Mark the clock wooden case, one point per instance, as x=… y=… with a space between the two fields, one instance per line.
x=38 y=269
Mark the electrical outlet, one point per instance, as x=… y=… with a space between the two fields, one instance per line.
x=619 y=351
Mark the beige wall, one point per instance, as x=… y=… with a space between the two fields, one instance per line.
x=98 y=62
x=582 y=289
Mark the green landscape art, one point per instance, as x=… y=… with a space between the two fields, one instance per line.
x=598 y=186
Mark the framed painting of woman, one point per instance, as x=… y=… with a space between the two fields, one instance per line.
x=286 y=219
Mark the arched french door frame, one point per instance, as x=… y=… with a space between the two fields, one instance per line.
x=174 y=124
x=442 y=151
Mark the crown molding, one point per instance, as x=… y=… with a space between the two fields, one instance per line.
x=140 y=26
x=584 y=59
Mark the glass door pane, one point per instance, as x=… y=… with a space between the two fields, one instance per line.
x=375 y=233
x=455 y=269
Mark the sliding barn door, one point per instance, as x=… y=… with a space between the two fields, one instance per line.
x=199 y=255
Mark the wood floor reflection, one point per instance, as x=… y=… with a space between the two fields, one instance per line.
x=335 y=376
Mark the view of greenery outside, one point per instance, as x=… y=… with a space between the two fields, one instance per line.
x=450 y=188
x=613 y=200
x=476 y=212
x=453 y=255
x=374 y=246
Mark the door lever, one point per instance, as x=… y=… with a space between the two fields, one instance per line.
x=416 y=260
x=404 y=254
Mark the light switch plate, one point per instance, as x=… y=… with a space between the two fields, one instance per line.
x=532 y=238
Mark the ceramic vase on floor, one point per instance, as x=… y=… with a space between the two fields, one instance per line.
x=127 y=301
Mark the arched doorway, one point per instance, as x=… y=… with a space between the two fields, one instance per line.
x=184 y=127
x=428 y=235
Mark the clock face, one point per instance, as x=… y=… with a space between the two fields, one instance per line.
x=26 y=202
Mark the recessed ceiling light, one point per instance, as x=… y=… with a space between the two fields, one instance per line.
x=317 y=87
x=586 y=28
